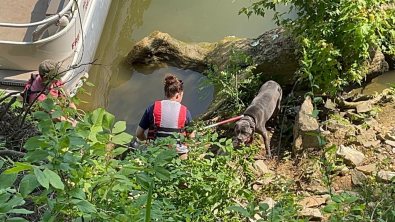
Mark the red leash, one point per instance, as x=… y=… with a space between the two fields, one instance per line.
x=224 y=121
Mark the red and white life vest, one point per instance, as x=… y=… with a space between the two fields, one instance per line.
x=169 y=117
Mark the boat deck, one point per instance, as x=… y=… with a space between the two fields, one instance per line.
x=21 y=11
x=14 y=80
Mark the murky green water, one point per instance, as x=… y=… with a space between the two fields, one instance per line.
x=126 y=92
x=378 y=84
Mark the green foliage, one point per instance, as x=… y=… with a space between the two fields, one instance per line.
x=236 y=83
x=335 y=38
x=71 y=174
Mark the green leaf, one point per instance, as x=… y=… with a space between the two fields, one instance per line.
x=41 y=177
x=54 y=179
x=33 y=143
x=119 y=126
x=37 y=155
x=1 y=163
x=122 y=138
x=85 y=207
x=17 y=219
x=329 y=208
x=97 y=117
x=162 y=173
x=14 y=202
x=108 y=120
x=48 y=105
x=165 y=157
x=239 y=209
x=69 y=158
x=7 y=180
x=144 y=180
x=57 y=113
x=103 y=137
x=351 y=200
x=21 y=211
x=28 y=184
x=64 y=142
x=41 y=115
x=19 y=167
x=77 y=193
x=118 y=151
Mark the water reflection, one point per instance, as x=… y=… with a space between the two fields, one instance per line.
x=129 y=100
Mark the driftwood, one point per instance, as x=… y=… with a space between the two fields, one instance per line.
x=273 y=52
x=373 y=100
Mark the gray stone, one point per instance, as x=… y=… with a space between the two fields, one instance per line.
x=313 y=201
x=358 y=178
x=390 y=142
x=393 y=150
x=351 y=156
x=371 y=122
x=364 y=107
x=385 y=176
x=260 y=169
x=304 y=124
x=312 y=212
x=367 y=169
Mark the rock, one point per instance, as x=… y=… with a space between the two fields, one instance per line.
x=330 y=105
x=256 y=187
x=393 y=150
x=367 y=169
x=390 y=142
x=344 y=171
x=351 y=156
x=312 y=212
x=368 y=144
x=305 y=124
x=367 y=138
x=353 y=193
x=386 y=176
x=358 y=178
x=269 y=201
x=335 y=126
x=388 y=136
x=371 y=122
x=317 y=190
x=364 y=107
x=313 y=201
x=260 y=169
x=380 y=157
x=265 y=181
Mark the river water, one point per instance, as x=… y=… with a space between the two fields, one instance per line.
x=127 y=91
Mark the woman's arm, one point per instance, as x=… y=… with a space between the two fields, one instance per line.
x=140 y=134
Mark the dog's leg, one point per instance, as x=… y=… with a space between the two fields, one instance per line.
x=267 y=144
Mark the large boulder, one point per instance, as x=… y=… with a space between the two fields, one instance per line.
x=305 y=126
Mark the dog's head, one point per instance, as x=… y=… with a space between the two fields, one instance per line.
x=243 y=132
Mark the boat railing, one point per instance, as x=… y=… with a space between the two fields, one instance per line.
x=49 y=20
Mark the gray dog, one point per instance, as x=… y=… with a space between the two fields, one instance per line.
x=264 y=106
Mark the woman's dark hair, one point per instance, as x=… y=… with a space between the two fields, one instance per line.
x=172 y=85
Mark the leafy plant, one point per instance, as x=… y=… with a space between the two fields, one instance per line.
x=236 y=83
x=335 y=38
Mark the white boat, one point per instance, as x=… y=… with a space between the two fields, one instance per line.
x=32 y=31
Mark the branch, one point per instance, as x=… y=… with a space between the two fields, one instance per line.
x=12 y=153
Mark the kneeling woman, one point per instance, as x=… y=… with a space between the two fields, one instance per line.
x=48 y=70
x=167 y=116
